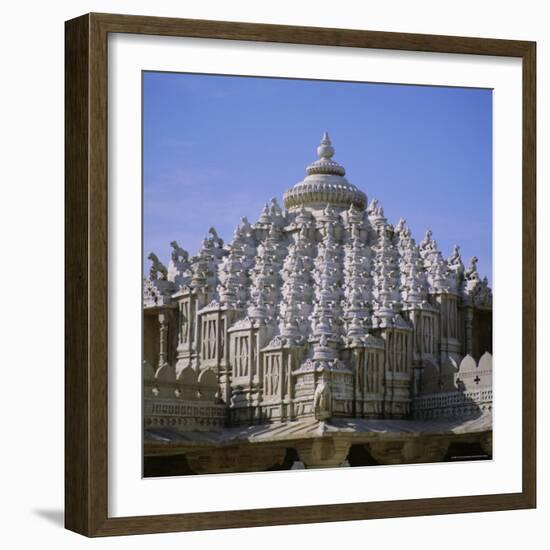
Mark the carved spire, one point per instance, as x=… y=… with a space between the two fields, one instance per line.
x=325 y=149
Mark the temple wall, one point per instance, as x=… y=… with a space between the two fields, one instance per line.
x=151 y=339
x=259 y=385
x=482 y=330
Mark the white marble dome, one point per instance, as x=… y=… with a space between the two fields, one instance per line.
x=324 y=183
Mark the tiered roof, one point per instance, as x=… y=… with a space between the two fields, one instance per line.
x=326 y=266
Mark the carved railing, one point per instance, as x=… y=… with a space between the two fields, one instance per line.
x=472 y=397
x=186 y=401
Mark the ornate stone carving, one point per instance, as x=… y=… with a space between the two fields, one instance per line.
x=320 y=311
x=471 y=273
x=157 y=270
x=322 y=401
x=179 y=255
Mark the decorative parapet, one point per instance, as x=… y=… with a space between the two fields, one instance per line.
x=455 y=404
x=186 y=401
x=472 y=398
x=184 y=415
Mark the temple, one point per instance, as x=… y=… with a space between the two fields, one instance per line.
x=322 y=335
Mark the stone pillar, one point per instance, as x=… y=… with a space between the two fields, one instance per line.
x=468 y=322
x=417 y=380
x=323 y=452
x=163 y=340
x=291 y=358
x=226 y=319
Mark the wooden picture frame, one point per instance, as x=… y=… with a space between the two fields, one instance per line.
x=86 y=282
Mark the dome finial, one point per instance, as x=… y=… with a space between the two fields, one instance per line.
x=325 y=149
x=324 y=183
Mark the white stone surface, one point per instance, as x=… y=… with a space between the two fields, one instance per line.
x=323 y=309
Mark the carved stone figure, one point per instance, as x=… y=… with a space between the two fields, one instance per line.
x=427 y=240
x=322 y=401
x=454 y=258
x=217 y=242
x=373 y=207
x=471 y=273
x=401 y=226
x=179 y=255
x=244 y=225
x=276 y=211
x=157 y=270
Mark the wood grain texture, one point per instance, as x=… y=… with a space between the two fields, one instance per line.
x=86 y=281
x=77 y=388
x=529 y=275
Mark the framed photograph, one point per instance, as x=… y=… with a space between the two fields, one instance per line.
x=300 y=274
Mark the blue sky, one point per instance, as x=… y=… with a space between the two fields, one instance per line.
x=216 y=148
